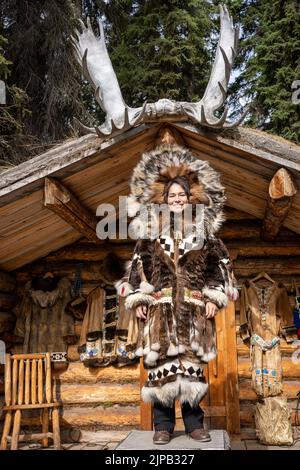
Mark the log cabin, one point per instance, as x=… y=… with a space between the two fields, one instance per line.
x=48 y=223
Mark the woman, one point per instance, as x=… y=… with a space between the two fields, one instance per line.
x=177 y=281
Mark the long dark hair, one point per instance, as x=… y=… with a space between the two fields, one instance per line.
x=182 y=181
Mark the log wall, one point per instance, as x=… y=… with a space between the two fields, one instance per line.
x=115 y=403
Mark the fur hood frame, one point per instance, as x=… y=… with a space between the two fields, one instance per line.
x=166 y=162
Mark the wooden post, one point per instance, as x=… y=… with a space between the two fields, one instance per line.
x=216 y=373
x=14 y=382
x=231 y=371
x=169 y=135
x=282 y=189
x=146 y=408
x=45 y=426
x=48 y=378
x=16 y=431
x=27 y=381
x=61 y=201
x=21 y=383
x=7 y=375
x=33 y=381
x=40 y=380
x=6 y=429
x=55 y=425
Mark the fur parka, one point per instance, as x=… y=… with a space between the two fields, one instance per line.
x=175 y=274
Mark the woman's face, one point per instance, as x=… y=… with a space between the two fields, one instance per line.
x=177 y=198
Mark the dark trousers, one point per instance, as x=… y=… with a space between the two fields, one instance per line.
x=164 y=417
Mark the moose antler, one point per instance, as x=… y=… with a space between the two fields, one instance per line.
x=216 y=91
x=91 y=53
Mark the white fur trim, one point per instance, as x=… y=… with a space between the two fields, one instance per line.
x=146 y=287
x=155 y=347
x=125 y=287
x=206 y=357
x=172 y=350
x=192 y=392
x=215 y=296
x=138 y=298
x=165 y=394
x=139 y=352
x=146 y=350
x=151 y=358
x=181 y=349
x=163 y=300
x=181 y=388
x=232 y=292
x=194 y=301
x=200 y=351
x=195 y=346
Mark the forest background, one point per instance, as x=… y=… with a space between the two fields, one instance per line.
x=159 y=49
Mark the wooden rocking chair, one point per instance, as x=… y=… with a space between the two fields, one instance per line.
x=28 y=386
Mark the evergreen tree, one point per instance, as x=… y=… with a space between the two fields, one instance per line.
x=159 y=49
x=12 y=113
x=44 y=66
x=269 y=62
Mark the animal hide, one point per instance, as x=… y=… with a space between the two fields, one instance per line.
x=43 y=325
x=176 y=275
x=108 y=336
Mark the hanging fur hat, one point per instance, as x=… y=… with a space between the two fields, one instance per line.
x=165 y=163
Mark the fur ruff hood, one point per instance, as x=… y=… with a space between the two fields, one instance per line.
x=159 y=166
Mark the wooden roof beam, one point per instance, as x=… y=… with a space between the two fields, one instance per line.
x=168 y=135
x=61 y=201
x=282 y=189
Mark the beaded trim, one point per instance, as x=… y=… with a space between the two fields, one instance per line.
x=264 y=295
x=163 y=296
x=192 y=294
x=263 y=344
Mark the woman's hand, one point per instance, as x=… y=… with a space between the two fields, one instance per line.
x=141 y=312
x=210 y=310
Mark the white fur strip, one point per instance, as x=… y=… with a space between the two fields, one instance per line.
x=215 y=296
x=172 y=350
x=138 y=298
x=163 y=300
x=181 y=388
x=151 y=358
x=139 y=352
x=232 y=292
x=123 y=288
x=192 y=392
x=165 y=394
x=194 y=301
x=146 y=288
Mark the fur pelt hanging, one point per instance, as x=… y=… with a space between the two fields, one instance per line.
x=106 y=334
x=175 y=276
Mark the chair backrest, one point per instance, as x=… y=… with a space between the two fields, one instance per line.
x=28 y=379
